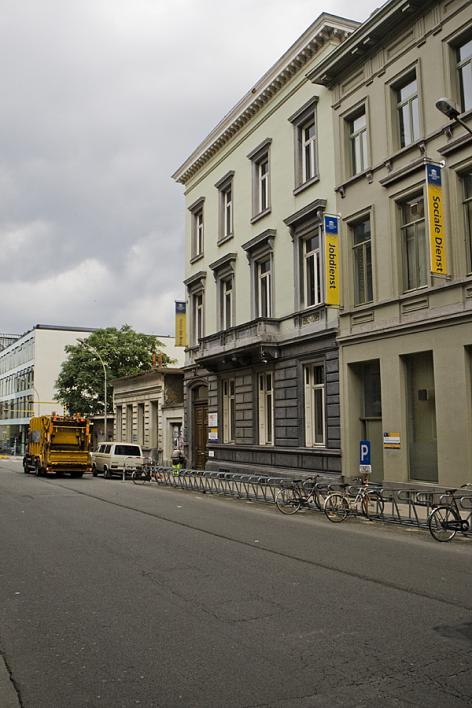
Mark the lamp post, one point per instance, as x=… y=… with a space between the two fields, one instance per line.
x=448 y=108
x=94 y=351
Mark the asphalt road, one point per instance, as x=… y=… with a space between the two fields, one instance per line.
x=116 y=595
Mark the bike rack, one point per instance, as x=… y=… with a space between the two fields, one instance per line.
x=406 y=507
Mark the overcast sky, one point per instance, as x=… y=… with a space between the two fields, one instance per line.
x=102 y=100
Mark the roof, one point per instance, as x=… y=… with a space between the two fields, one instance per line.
x=165 y=370
x=323 y=29
x=385 y=21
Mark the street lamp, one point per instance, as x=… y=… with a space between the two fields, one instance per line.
x=448 y=108
x=94 y=351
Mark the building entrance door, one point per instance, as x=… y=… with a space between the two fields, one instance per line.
x=422 y=439
x=371 y=417
x=200 y=430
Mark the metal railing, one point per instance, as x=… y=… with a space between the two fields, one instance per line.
x=408 y=507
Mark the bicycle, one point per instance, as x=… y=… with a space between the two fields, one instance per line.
x=298 y=494
x=147 y=473
x=366 y=501
x=446 y=520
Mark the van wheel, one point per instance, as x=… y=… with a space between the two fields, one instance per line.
x=94 y=470
x=106 y=473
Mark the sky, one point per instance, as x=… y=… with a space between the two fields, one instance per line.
x=102 y=100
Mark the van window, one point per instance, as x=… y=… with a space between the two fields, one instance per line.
x=129 y=450
x=106 y=448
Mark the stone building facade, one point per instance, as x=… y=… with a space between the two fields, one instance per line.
x=148 y=410
x=261 y=373
x=405 y=331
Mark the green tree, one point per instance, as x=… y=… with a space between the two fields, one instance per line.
x=80 y=384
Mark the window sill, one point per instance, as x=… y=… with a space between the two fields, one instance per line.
x=305 y=185
x=224 y=239
x=351 y=180
x=261 y=215
x=194 y=259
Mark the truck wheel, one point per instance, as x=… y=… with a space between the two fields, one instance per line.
x=25 y=468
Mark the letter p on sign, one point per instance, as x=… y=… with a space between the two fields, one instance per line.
x=364 y=457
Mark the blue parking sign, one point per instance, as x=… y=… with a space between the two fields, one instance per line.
x=364 y=452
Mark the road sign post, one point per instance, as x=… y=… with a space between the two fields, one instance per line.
x=365 y=468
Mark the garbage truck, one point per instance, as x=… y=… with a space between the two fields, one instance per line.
x=58 y=444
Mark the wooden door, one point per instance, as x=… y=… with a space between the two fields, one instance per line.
x=200 y=432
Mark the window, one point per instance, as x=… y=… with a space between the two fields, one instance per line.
x=229 y=415
x=467 y=183
x=223 y=271
x=408 y=110
x=260 y=179
x=227 y=205
x=197 y=317
x=311 y=271
x=362 y=259
x=266 y=409
x=304 y=122
x=314 y=405
x=226 y=302
x=358 y=142
x=263 y=288
x=413 y=243
x=197 y=229
x=225 y=189
x=464 y=68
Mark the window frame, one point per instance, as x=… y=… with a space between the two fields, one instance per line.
x=223 y=272
x=225 y=187
x=258 y=251
x=399 y=104
x=467 y=216
x=361 y=247
x=261 y=183
x=351 y=138
x=197 y=230
x=458 y=66
x=301 y=120
x=228 y=408
x=196 y=296
x=418 y=195
x=310 y=387
x=265 y=401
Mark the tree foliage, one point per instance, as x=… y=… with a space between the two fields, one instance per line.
x=80 y=384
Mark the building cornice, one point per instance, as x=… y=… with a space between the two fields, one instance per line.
x=326 y=28
x=384 y=21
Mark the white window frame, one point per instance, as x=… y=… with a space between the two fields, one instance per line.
x=361 y=294
x=358 y=142
x=308 y=150
x=227 y=198
x=198 y=307
x=229 y=410
x=265 y=389
x=312 y=392
x=264 y=284
x=314 y=256
x=226 y=301
x=263 y=184
x=412 y=105
x=461 y=64
x=414 y=224
x=199 y=232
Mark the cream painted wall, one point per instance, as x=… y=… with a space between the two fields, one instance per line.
x=272 y=122
x=49 y=355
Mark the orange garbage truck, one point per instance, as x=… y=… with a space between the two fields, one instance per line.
x=58 y=444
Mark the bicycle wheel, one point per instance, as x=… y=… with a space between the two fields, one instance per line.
x=336 y=507
x=443 y=523
x=372 y=505
x=287 y=501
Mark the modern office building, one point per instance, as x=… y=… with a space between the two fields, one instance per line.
x=406 y=318
x=29 y=367
x=261 y=374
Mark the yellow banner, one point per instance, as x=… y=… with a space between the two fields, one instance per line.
x=332 y=269
x=437 y=229
x=180 y=325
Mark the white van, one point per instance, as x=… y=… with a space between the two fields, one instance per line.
x=114 y=457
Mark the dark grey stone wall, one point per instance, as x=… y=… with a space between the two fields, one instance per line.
x=288 y=455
